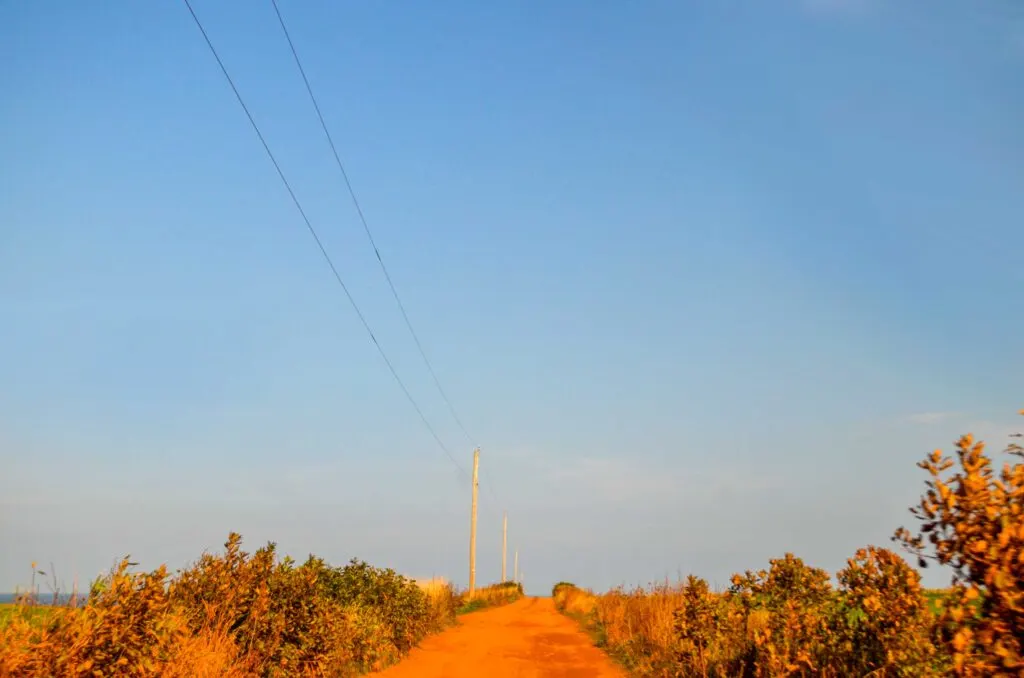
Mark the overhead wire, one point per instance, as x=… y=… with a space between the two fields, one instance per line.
x=320 y=245
x=369 y=234
x=366 y=227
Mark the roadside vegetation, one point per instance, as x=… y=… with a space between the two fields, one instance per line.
x=491 y=596
x=874 y=619
x=233 y=614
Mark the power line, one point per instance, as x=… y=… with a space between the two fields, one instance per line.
x=320 y=245
x=369 y=233
x=366 y=227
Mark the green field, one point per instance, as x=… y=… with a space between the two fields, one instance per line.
x=37 y=614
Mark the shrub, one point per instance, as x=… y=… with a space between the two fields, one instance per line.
x=973 y=522
x=502 y=593
x=560 y=586
x=127 y=629
x=884 y=624
x=442 y=602
x=232 y=614
x=572 y=600
x=783 y=621
x=786 y=611
x=402 y=605
x=698 y=626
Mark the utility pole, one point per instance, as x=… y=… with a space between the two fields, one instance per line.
x=504 y=546
x=515 y=574
x=472 y=524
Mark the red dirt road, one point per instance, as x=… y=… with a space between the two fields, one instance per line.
x=522 y=640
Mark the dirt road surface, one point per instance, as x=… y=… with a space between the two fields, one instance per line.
x=525 y=639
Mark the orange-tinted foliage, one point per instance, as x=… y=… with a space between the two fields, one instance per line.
x=784 y=621
x=496 y=594
x=790 y=621
x=231 y=615
x=887 y=623
x=973 y=522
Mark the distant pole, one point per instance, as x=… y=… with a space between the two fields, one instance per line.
x=515 y=571
x=472 y=523
x=504 y=546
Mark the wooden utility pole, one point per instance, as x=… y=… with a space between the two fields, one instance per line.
x=504 y=546
x=516 y=570
x=472 y=524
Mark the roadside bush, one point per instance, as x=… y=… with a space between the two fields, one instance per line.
x=786 y=611
x=573 y=600
x=790 y=621
x=784 y=621
x=493 y=595
x=699 y=628
x=560 y=586
x=883 y=625
x=127 y=628
x=401 y=604
x=232 y=614
x=973 y=522
x=442 y=603
x=499 y=594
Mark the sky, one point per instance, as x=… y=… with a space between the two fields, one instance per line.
x=703 y=280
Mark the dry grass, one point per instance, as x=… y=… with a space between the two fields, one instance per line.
x=443 y=600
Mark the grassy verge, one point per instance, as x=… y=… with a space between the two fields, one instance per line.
x=580 y=605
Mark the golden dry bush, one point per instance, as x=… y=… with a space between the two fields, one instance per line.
x=289 y=619
x=972 y=521
x=207 y=654
x=229 y=590
x=19 y=643
x=784 y=621
x=127 y=628
x=698 y=626
x=574 y=601
x=498 y=594
x=231 y=614
x=442 y=601
x=787 y=610
x=883 y=625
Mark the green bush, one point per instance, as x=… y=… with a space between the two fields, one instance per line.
x=403 y=607
x=560 y=586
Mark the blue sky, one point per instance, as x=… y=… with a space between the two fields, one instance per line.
x=704 y=280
